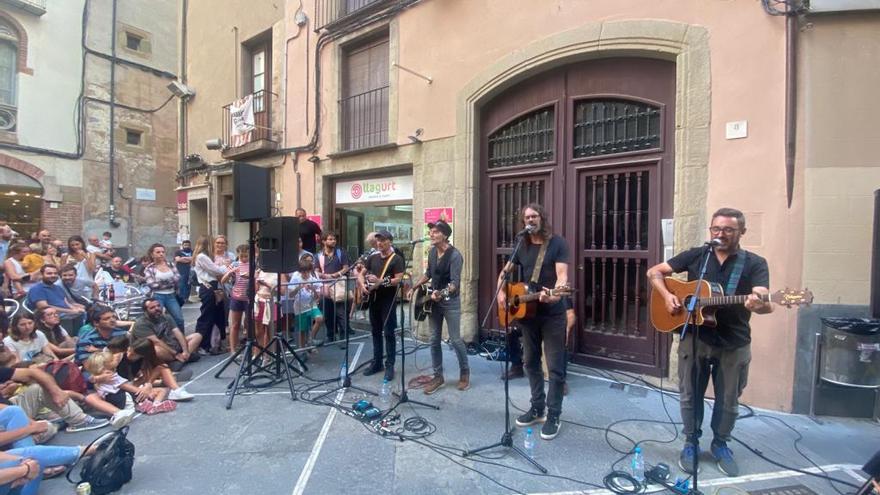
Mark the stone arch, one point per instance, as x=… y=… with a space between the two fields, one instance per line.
x=22 y=42
x=686 y=45
x=22 y=166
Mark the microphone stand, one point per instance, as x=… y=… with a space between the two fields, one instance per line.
x=690 y=321
x=507 y=436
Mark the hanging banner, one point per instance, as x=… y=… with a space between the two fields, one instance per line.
x=433 y=215
x=182 y=200
x=371 y=190
x=241 y=121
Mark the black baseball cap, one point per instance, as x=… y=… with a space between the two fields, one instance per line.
x=384 y=234
x=442 y=227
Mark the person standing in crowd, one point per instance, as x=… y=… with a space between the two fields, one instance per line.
x=384 y=272
x=44 y=239
x=238 y=297
x=183 y=261
x=162 y=279
x=309 y=231
x=80 y=258
x=444 y=272
x=332 y=265
x=306 y=292
x=724 y=351
x=18 y=280
x=115 y=271
x=543 y=258
x=5 y=238
x=52 y=256
x=212 y=312
x=102 y=255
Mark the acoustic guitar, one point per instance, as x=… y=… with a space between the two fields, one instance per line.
x=521 y=303
x=423 y=304
x=710 y=298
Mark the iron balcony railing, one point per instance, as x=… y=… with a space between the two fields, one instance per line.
x=328 y=12
x=364 y=119
x=262 y=121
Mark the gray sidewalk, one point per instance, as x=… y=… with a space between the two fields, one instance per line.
x=269 y=444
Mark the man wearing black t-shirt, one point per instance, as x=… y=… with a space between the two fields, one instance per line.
x=384 y=272
x=444 y=272
x=548 y=324
x=723 y=352
x=309 y=231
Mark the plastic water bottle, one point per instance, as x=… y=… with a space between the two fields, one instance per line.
x=638 y=465
x=529 y=443
x=385 y=392
x=343 y=371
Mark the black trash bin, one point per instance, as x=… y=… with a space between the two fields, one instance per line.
x=851 y=352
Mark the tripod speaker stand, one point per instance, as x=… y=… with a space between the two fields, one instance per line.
x=507 y=435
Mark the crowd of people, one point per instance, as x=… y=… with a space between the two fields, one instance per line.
x=67 y=361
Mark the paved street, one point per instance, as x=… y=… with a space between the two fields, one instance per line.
x=269 y=444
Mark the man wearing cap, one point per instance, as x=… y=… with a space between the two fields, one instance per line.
x=444 y=271
x=384 y=272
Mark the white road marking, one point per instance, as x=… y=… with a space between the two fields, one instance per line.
x=319 y=443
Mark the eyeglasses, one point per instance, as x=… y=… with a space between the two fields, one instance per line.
x=726 y=230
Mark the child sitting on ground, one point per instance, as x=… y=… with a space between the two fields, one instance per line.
x=150 y=401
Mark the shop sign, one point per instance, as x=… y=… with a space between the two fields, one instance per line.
x=372 y=190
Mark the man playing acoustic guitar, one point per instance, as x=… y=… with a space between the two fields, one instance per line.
x=723 y=352
x=544 y=261
x=444 y=272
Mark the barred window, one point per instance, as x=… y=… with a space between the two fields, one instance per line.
x=528 y=139
x=603 y=127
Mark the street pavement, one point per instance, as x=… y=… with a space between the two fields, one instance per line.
x=269 y=444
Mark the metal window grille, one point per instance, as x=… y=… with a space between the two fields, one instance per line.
x=364 y=119
x=528 y=139
x=603 y=127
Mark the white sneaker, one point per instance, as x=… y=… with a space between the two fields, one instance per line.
x=180 y=395
x=129 y=403
x=122 y=418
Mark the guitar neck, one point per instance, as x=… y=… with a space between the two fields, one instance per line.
x=729 y=300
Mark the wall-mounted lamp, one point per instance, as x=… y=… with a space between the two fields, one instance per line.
x=180 y=90
x=414 y=137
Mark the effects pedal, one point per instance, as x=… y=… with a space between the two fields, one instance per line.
x=361 y=406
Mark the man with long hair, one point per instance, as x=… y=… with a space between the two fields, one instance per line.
x=543 y=259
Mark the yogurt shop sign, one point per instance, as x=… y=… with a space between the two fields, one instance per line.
x=376 y=189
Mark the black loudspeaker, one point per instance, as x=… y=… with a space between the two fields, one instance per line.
x=250 y=189
x=872 y=467
x=279 y=244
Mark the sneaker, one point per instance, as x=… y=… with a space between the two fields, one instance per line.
x=180 y=395
x=203 y=352
x=90 y=423
x=551 y=427
x=389 y=373
x=724 y=459
x=122 y=418
x=434 y=385
x=686 y=459
x=372 y=370
x=164 y=406
x=145 y=407
x=531 y=417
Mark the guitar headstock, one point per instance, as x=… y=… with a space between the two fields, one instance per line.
x=792 y=297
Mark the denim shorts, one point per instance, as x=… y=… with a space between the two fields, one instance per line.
x=238 y=305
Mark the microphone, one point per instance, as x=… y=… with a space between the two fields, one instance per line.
x=713 y=243
x=418 y=241
x=530 y=229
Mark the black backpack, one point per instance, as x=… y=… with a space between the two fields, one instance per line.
x=110 y=466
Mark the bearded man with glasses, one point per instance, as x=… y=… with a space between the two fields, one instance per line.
x=723 y=352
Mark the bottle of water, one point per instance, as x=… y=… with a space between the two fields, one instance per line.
x=343 y=371
x=529 y=443
x=638 y=466
x=385 y=392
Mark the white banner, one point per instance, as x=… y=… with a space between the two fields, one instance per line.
x=372 y=190
x=241 y=113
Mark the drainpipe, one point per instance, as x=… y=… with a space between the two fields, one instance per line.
x=791 y=31
x=111 y=164
x=181 y=117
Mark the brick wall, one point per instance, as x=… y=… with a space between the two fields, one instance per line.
x=64 y=221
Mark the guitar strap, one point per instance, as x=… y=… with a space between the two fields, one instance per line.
x=737 y=272
x=536 y=272
x=387 y=264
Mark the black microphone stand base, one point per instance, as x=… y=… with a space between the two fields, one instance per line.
x=507 y=441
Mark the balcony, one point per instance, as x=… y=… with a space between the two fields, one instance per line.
x=329 y=13
x=364 y=119
x=36 y=7
x=246 y=136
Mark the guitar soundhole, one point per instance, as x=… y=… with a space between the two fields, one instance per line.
x=686 y=302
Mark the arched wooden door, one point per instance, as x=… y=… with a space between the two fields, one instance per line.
x=593 y=143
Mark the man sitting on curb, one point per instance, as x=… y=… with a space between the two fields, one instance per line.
x=171 y=345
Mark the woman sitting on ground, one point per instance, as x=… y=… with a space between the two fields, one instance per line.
x=60 y=342
x=143 y=368
x=27 y=342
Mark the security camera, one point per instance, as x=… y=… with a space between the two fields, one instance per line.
x=214 y=144
x=181 y=90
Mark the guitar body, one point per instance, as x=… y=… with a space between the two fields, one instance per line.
x=517 y=307
x=665 y=322
x=422 y=303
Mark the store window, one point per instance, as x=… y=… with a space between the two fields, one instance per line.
x=20 y=201
x=372 y=204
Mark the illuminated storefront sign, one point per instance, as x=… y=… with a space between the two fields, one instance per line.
x=398 y=188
